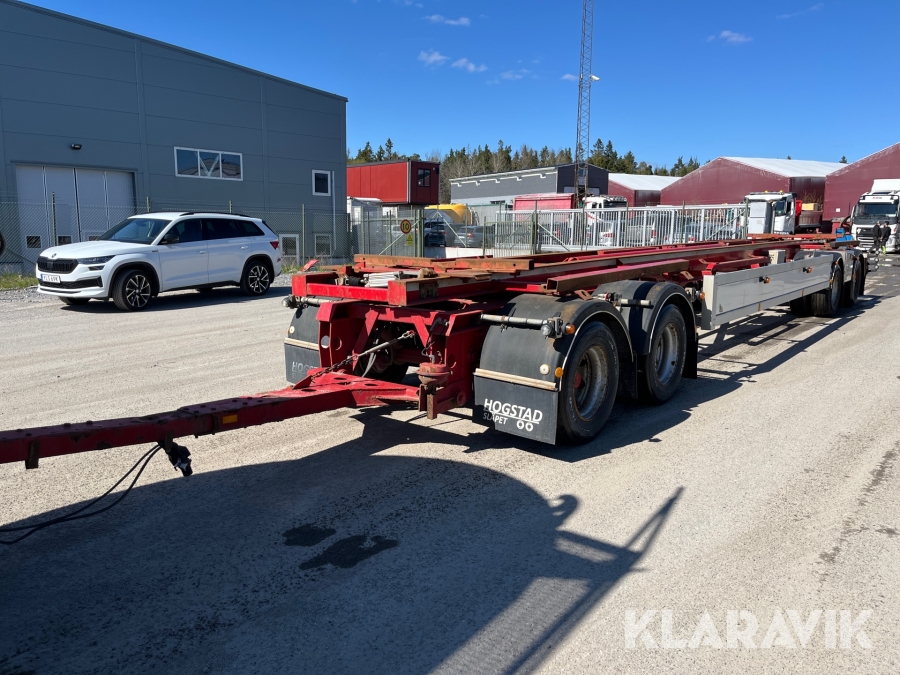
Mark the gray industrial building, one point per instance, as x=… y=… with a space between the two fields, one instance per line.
x=488 y=193
x=97 y=123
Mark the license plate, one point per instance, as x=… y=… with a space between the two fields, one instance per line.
x=52 y=278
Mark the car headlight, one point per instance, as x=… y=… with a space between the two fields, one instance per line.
x=95 y=261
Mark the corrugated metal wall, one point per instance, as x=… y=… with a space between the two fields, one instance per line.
x=488 y=187
x=843 y=187
x=722 y=181
x=130 y=101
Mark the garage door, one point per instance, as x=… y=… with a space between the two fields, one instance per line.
x=60 y=205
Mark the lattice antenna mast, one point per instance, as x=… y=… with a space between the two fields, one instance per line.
x=585 y=78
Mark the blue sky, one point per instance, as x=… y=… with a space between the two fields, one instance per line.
x=766 y=78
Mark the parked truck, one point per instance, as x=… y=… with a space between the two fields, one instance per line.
x=566 y=201
x=783 y=213
x=879 y=206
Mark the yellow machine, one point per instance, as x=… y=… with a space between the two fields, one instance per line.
x=449 y=213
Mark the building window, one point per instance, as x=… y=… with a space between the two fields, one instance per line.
x=194 y=163
x=323 y=245
x=424 y=177
x=33 y=242
x=321 y=183
x=63 y=240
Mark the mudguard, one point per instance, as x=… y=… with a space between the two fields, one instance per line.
x=642 y=320
x=301 y=346
x=516 y=387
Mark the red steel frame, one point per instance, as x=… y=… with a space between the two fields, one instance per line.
x=442 y=301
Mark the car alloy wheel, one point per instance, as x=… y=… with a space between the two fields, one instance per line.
x=258 y=279
x=138 y=291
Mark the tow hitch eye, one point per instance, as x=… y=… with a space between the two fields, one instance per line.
x=180 y=457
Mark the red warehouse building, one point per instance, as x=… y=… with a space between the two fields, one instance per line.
x=727 y=180
x=399 y=182
x=638 y=190
x=844 y=186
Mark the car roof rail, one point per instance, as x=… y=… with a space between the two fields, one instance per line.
x=216 y=213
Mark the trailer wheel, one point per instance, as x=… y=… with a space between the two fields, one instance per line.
x=589 y=384
x=800 y=306
x=388 y=373
x=827 y=301
x=660 y=371
x=852 y=287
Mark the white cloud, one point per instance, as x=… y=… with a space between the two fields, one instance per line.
x=511 y=75
x=570 y=77
x=437 y=18
x=730 y=37
x=432 y=57
x=467 y=65
x=814 y=8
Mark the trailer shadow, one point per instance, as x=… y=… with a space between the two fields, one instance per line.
x=343 y=561
x=632 y=422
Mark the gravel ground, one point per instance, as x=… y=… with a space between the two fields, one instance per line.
x=380 y=542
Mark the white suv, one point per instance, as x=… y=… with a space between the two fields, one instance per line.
x=148 y=254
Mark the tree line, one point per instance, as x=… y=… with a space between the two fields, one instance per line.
x=469 y=161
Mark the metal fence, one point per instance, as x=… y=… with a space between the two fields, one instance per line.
x=400 y=234
x=524 y=232
x=30 y=227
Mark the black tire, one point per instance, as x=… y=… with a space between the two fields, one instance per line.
x=75 y=301
x=800 y=306
x=852 y=286
x=256 y=279
x=132 y=290
x=394 y=372
x=589 y=384
x=827 y=302
x=659 y=372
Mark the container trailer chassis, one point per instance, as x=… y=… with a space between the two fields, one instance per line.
x=540 y=346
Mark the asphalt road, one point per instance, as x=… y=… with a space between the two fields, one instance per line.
x=380 y=542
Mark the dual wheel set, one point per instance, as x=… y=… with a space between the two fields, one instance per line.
x=843 y=291
x=590 y=385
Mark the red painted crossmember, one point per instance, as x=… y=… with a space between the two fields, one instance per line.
x=329 y=391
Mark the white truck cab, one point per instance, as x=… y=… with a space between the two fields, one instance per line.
x=880 y=205
x=771 y=212
x=605 y=202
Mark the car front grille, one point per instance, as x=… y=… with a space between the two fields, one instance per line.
x=62 y=266
x=93 y=282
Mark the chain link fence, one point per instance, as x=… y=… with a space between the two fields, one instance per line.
x=334 y=237
x=28 y=228
x=526 y=232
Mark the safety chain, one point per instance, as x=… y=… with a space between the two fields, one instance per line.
x=353 y=357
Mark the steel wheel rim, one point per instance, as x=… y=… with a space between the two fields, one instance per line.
x=591 y=382
x=835 y=289
x=137 y=291
x=258 y=278
x=666 y=353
